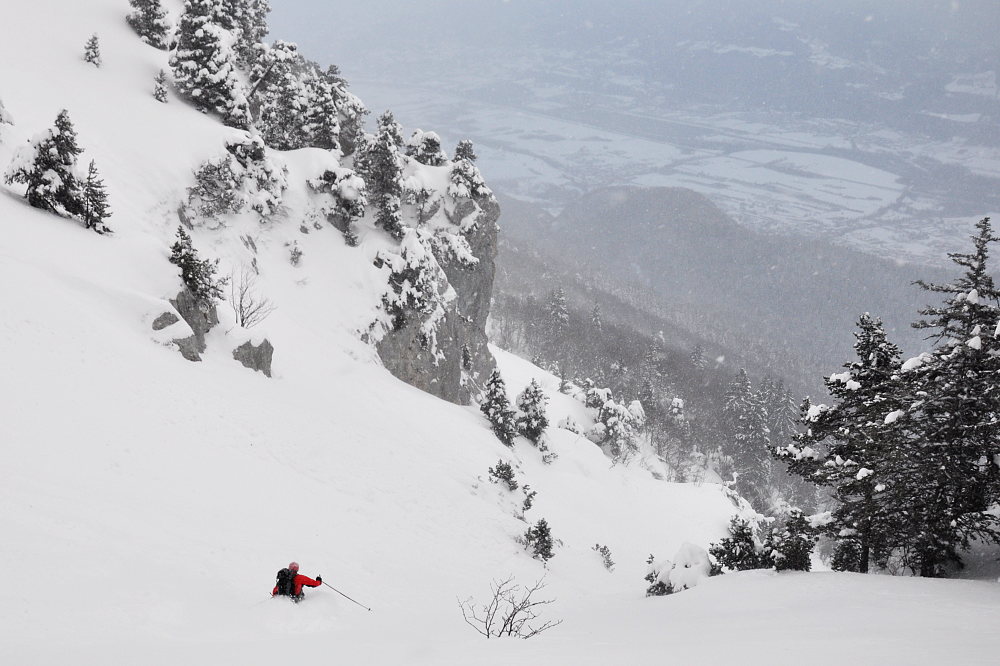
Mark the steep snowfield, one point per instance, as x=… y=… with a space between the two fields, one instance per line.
x=146 y=501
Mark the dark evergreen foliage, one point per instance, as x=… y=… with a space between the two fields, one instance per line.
x=204 y=65
x=539 y=540
x=503 y=472
x=92 y=51
x=740 y=551
x=160 y=87
x=149 y=21
x=847 y=446
x=465 y=151
x=605 y=554
x=531 y=418
x=50 y=170
x=381 y=167
x=656 y=588
x=496 y=407
x=95 y=209
x=197 y=274
x=792 y=546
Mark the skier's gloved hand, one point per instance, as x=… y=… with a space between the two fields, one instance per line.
x=319 y=579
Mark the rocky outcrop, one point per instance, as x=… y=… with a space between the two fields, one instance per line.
x=443 y=350
x=473 y=287
x=255 y=357
x=199 y=323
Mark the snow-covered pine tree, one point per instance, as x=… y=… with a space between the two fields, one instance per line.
x=247 y=21
x=619 y=429
x=160 y=87
x=531 y=418
x=741 y=550
x=47 y=165
x=847 y=446
x=278 y=96
x=952 y=417
x=465 y=151
x=382 y=171
x=197 y=274
x=92 y=51
x=539 y=539
x=747 y=440
x=95 y=209
x=496 y=406
x=792 y=546
x=425 y=147
x=203 y=64
x=321 y=122
x=149 y=21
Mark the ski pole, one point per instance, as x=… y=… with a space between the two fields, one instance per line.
x=345 y=596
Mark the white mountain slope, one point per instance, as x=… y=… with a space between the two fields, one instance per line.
x=146 y=501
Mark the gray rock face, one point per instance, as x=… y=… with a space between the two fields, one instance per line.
x=164 y=320
x=255 y=357
x=200 y=322
x=461 y=362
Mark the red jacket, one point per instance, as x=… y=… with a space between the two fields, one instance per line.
x=298 y=582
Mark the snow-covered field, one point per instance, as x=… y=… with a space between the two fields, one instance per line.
x=146 y=502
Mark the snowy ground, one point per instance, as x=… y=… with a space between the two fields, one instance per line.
x=146 y=502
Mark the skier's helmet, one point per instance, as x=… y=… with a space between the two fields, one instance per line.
x=294 y=567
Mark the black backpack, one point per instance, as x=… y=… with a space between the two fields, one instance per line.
x=286 y=582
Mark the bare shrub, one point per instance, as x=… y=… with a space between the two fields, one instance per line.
x=250 y=307
x=511 y=612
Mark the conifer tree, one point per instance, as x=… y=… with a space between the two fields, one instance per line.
x=203 y=64
x=952 y=416
x=748 y=440
x=149 y=21
x=92 y=51
x=425 y=147
x=382 y=170
x=740 y=551
x=847 y=446
x=160 y=87
x=95 y=209
x=791 y=547
x=531 y=419
x=465 y=151
x=496 y=407
x=197 y=274
x=539 y=539
x=48 y=167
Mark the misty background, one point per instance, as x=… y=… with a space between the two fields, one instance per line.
x=776 y=167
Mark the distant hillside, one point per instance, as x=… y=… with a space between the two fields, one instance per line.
x=788 y=303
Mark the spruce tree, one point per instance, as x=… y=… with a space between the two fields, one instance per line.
x=740 y=551
x=539 y=539
x=792 y=546
x=92 y=51
x=496 y=407
x=952 y=417
x=160 y=87
x=95 y=208
x=747 y=440
x=203 y=64
x=465 y=151
x=531 y=419
x=48 y=168
x=149 y=21
x=425 y=147
x=382 y=170
x=197 y=274
x=848 y=446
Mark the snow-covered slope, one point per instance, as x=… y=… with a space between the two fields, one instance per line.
x=146 y=501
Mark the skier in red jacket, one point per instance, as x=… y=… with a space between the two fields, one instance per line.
x=290 y=582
